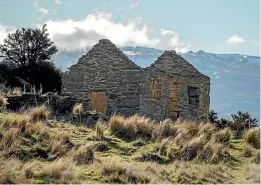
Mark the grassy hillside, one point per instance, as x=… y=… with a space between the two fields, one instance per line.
x=35 y=148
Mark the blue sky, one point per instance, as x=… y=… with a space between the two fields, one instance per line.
x=218 y=26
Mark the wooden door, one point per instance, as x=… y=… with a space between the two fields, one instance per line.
x=99 y=102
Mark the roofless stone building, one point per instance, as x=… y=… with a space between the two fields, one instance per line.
x=107 y=81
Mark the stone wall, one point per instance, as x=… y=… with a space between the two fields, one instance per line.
x=184 y=90
x=106 y=80
x=57 y=104
x=105 y=69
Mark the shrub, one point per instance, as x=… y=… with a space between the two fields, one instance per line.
x=84 y=155
x=252 y=137
x=100 y=128
x=39 y=113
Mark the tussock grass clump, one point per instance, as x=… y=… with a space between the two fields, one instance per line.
x=162 y=147
x=3 y=102
x=60 y=143
x=130 y=127
x=77 y=109
x=163 y=130
x=84 y=155
x=11 y=172
x=222 y=136
x=100 y=128
x=17 y=91
x=252 y=137
x=122 y=173
x=213 y=153
x=39 y=113
x=257 y=157
x=57 y=171
x=19 y=121
x=206 y=128
x=248 y=151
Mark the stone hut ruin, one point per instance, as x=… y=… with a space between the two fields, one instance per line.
x=106 y=80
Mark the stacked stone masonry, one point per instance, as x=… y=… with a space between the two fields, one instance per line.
x=106 y=80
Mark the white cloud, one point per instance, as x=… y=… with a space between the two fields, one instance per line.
x=235 y=40
x=43 y=11
x=175 y=42
x=135 y=5
x=164 y=32
x=71 y=35
x=57 y=2
x=4 y=30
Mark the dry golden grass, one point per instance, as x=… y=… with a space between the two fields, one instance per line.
x=11 y=172
x=77 y=109
x=252 y=137
x=39 y=113
x=58 y=171
x=100 y=128
x=248 y=151
x=83 y=155
x=121 y=172
x=3 y=102
x=163 y=130
x=60 y=143
x=222 y=136
x=252 y=173
x=130 y=127
x=17 y=91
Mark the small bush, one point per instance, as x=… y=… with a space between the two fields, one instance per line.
x=39 y=113
x=252 y=137
x=84 y=155
x=100 y=128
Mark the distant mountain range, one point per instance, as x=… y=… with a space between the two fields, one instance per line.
x=235 y=78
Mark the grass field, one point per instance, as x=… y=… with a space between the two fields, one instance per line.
x=34 y=149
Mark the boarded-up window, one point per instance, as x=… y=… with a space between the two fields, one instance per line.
x=193 y=94
x=155 y=89
x=99 y=102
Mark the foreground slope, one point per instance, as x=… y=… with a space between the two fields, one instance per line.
x=125 y=150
